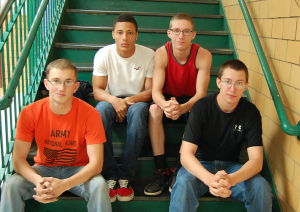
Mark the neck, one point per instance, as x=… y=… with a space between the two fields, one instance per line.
x=181 y=55
x=224 y=106
x=125 y=54
x=61 y=109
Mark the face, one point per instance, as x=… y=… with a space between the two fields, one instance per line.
x=229 y=96
x=181 y=41
x=125 y=35
x=62 y=94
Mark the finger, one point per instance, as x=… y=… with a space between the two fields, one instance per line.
x=48 y=185
x=42 y=200
x=43 y=191
x=224 y=183
x=47 y=196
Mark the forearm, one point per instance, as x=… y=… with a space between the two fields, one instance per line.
x=102 y=95
x=23 y=168
x=186 y=107
x=193 y=166
x=144 y=96
x=89 y=171
x=248 y=170
x=159 y=99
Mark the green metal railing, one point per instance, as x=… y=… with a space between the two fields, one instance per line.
x=27 y=30
x=286 y=125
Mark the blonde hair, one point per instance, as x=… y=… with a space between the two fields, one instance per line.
x=61 y=64
x=182 y=16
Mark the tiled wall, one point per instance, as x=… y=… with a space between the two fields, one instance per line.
x=277 y=24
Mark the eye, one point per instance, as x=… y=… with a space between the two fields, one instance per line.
x=176 y=30
x=56 y=81
x=119 y=33
x=68 y=82
x=239 y=83
x=186 y=32
x=130 y=33
x=228 y=82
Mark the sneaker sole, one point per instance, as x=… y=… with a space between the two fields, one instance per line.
x=125 y=198
x=113 y=199
x=154 y=193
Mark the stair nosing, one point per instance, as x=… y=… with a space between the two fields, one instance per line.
x=98 y=46
x=186 y=1
x=135 y=13
x=143 y=30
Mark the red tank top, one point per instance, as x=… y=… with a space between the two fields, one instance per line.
x=180 y=80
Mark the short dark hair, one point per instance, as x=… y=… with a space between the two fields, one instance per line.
x=61 y=64
x=182 y=16
x=236 y=65
x=125 y=18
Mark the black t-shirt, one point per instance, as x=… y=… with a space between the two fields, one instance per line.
x=219 y=135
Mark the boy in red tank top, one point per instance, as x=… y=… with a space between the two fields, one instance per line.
x=180 y=77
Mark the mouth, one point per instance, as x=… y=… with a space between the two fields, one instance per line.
x=231 y=96
x=61 y=94
x=124 y=44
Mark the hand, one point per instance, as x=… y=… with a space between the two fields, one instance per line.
x=129 y=101
x=172 y=109
x=44 y=192
x=220 y=186
x=58 y=186
x=120 y=107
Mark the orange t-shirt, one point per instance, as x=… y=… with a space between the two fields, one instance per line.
x=61 y=140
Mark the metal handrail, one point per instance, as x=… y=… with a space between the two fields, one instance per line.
x=286 y=125
x=5 y=9
x=6 y=100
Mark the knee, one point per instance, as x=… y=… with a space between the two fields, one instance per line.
x=106 y=110
x=261 y=188
x=155 y=112
x=139 y=110
x=13 y=183
x=98 y=184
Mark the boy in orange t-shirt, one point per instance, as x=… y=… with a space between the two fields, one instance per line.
x=69 y=135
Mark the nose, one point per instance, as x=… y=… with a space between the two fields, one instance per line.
x=124 y=36
x=181 y=34
x=232 y=88
x=62 y=86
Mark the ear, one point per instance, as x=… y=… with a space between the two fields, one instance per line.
x=46 y=84
x=169 y=33
x=194 y=35
x=218 y=83
x=113 y=34
x=137 y=34
x=246 y=86
x=76 y=86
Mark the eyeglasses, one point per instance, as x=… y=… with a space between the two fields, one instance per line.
x=57 y=83
x=238 y=85
x=177 y=31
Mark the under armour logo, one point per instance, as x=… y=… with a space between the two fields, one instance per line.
x=237 y=128
x=138 y=68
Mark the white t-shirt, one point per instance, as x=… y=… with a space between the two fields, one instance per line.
x=125 y=76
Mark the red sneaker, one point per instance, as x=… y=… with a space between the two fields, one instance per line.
x=124 y=190
x=112 y=185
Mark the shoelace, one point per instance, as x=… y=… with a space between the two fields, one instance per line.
x=123 y=183
x=111 y=183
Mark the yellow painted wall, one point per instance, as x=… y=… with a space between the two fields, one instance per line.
x=277 y=24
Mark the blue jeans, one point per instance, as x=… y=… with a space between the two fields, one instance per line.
x=137 y=119
x=17 y=189
x=255 y=192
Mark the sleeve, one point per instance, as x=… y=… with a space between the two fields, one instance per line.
x=150 y=67
x=194 y=127
x=25 y=126
x=100 y=63
x=95 y=133
x=254 y=127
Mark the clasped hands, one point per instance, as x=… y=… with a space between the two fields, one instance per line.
x=172 y=109
x=49 y=189
x=220 y=184
x=121 y=106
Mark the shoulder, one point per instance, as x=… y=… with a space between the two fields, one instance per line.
x=106 y=51
x=204 y=57
x=143 y=51
x=204 y=102
x=84 y=108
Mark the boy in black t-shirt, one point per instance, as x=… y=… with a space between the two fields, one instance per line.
x=217 y=127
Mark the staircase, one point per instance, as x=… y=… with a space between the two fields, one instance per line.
x=85 y=27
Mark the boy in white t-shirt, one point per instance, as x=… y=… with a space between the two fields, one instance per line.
x=122 y=81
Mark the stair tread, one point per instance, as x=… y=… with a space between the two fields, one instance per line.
x=88 y=67
x=87 y=46
x=135 y=13
x=187 y=1
x=144 y=30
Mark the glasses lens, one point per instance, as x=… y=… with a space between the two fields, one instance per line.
x=69 y=83
x=186 y=32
